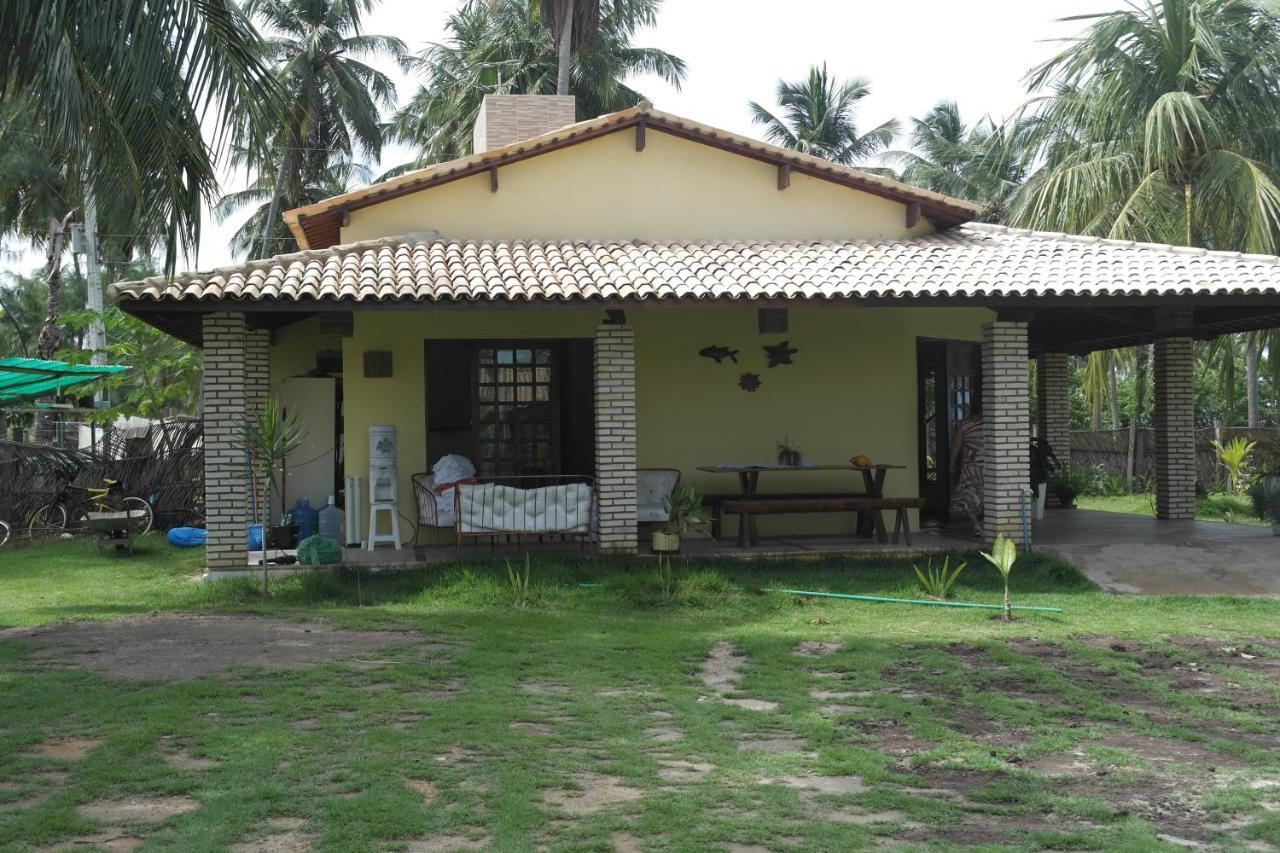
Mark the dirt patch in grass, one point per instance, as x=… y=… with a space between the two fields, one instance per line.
x=110 y=838
x=182 y=759
x=721 y=671
x=424 y=788
x=175 y=647
x=445 y=844
x=527 y=727
x=778 y=745
x=888 y=736
x=955 y=783
x=624 y=842
x=815 y=649
x=458 y=755
x=1163 y=750
x=676 y=770
x=28 y=802
x=284 y=836
x=73 y=749
x=827 y=695
x=596 y=792
x=837 y=785
x=137 y=809
x=663 y=734
x=538 y=688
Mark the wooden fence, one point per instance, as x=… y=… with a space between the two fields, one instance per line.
x=1109 y=451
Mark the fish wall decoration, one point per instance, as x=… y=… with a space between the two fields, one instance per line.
x=717 y=353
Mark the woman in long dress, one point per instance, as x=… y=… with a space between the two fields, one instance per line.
x=967 y=456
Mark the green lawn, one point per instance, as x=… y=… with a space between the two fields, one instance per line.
x=617 y=717
x=1210 y=508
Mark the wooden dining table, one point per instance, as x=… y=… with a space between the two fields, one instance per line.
x=873 y=477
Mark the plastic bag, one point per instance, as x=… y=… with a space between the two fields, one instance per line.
x=186 y=537
x=318 y=551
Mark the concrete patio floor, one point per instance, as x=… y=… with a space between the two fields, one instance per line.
x=1119 y=552
x=1139 y=554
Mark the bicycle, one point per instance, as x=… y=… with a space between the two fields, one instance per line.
x=53 y=517
x=4 y=533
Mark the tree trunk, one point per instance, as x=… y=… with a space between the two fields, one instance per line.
x=1113 y=391
x=47 y=340
x=564 y=54
x=1251 y=379
x=288 y=163
x=1143 y=358
x=1097 y=415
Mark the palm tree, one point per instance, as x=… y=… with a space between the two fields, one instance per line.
x=499 y=47
x=1161 y=127
x=333 y=97
x=983 y=163
x=818 y=118
x=122 y=87
x=337 y=177
x=573 y=23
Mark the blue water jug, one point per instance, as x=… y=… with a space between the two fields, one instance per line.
x=306 y=517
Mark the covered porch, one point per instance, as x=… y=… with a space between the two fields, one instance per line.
x=652 y=319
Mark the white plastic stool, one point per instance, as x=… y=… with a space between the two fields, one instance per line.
x=374 y=536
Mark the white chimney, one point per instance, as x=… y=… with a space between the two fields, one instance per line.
x=504 y=119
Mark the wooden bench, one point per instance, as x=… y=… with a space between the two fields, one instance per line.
x=716 y=503
x=745 y=506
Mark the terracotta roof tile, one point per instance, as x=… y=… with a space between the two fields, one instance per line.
x=971 y=260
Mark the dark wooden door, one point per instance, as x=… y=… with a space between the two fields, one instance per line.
x=949 y=378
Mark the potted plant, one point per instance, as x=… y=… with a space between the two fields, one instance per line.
x=269 y=435
x=1069 y=482
x=1044 y=464
x=1271 y=501
x=1268 y=461
x=788 y=454
x=686 y=514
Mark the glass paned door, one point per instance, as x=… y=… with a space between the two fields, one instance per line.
x=517 y=412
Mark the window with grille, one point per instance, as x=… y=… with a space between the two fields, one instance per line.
x=517 y=413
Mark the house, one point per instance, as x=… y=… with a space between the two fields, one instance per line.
x=649 y=267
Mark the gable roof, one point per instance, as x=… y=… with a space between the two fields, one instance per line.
x=318 y=226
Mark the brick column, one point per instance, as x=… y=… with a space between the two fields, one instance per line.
x=1053 y=406
x=257 y=368
x=615 y=405
x=1006 y=415
x=1175 y=429
x=224 y=402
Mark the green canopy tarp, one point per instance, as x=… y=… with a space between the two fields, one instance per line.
x=24 y=379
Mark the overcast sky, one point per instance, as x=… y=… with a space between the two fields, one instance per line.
x=914 y=53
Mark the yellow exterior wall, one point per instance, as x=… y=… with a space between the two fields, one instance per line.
x=852 y=388
x=603 y=189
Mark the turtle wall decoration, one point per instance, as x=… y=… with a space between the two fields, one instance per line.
x=780 y=353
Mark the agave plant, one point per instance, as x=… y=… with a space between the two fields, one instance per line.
x=1003 y=555
x=937 y=581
